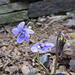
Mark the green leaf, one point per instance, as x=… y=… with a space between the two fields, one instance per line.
x=72 y=35
x=31 y=73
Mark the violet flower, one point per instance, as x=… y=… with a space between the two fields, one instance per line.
x=41 y=47
x=22 y=32
x=60 y=46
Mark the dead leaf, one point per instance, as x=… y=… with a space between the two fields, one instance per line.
x=72 y=65
x=71 y=23
x=25 y=69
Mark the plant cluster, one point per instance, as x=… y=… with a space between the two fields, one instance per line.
x=24 y=34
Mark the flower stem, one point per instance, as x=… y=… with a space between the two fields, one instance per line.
x=39 y=62
x=34 y=30
x=56 y=54
x=37 y=54
x=45 y=68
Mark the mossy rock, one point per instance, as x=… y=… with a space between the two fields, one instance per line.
x=13 y=7
x=4 y=2
x=13 y=17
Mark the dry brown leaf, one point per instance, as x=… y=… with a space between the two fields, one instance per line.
x=25 y=69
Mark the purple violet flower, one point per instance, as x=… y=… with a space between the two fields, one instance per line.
x=60 y=46
x=22 y=32
x=41 y=47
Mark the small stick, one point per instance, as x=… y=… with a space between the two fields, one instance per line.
x=53 y=65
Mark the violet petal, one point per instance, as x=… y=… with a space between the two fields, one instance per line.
x=21 y=25
x=15 y=31
x=19 y=39
x=29 y=31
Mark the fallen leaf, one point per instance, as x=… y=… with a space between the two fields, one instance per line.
x=72 y=65
x=25 y=69
x=71 y=23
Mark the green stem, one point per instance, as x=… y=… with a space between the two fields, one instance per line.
x=34 y=31
x=39 y=62
x=37 y=54
x=56 y=54
x=45 y=68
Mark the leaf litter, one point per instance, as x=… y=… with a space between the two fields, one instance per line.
x=17 y=59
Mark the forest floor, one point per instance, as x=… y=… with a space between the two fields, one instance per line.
x=16 y=59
